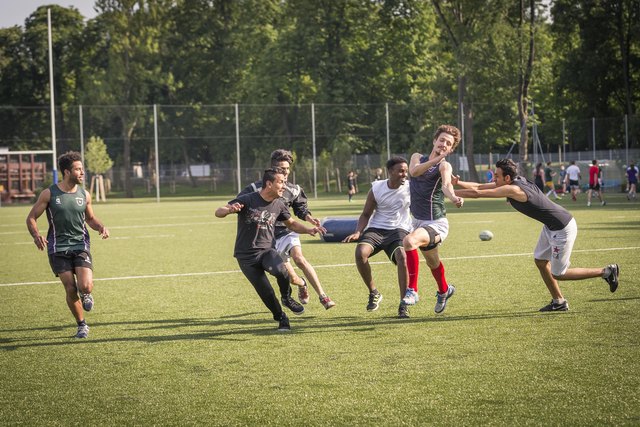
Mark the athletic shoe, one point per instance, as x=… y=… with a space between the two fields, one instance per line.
x=411 y=297
x=604 y=202
x=441 y=299
x=326 y=302
x=403 y=311
x=83 y=331
x=588 y=204
x=553 y=306
x=293 y=305
x=284 y=326
x=87 y=301
x=374 y=301
x=612 y=277
x=303 y=293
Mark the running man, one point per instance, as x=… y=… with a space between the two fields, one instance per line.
x=573 y=176
x=288 y=242
x=595 y=183
x=383 y=224
x=553 y=251
x=69 y=209
x=430 y=183
x=254 y=248
x=548 y=181
x=632 y=180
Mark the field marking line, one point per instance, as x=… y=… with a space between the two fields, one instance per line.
x=122 y=227
x=210 y=273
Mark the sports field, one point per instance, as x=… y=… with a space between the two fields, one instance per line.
x=179 y=337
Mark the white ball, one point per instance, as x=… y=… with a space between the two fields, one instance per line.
x=486 y=235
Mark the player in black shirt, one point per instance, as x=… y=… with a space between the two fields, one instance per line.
x=558 y=234
x=255 y=239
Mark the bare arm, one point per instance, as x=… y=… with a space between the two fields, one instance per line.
x=511 y=191
x=455 y=179
x=367 y=211
x=93 y=220
x=416 y=168
x=32 y=219
x=225 y=210
x=447 y=185
x=294 y=225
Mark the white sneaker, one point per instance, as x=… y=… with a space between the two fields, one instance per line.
x=83 y=331
x=411 y=297
x=441 y=299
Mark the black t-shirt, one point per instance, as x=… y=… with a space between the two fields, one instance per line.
x=256 y=225
x=539 y=207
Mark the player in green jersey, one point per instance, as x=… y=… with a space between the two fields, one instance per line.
x=69 y=210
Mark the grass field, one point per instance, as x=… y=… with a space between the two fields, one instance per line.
x=179 y=337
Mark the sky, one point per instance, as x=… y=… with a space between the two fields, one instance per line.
x=14 y=12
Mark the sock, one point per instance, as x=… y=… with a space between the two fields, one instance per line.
x=438 y=274
x=413 y=266
x=82 y=323
x=606 y=273
x=558 y=301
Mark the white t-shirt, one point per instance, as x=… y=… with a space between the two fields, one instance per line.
x=573 y=172
x=392 y=206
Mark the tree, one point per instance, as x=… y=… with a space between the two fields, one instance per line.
x=96 y=156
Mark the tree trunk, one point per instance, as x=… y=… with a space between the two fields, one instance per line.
x=525 y=79
x=187 y=162
x=468 y=137
x=127 y=132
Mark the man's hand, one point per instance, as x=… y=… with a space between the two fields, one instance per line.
x=40 y=241
x=352 y=237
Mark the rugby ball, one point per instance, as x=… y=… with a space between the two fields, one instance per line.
x=486 y=235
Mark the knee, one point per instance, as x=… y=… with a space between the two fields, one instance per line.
x=409 y=242
x=299 y=259
x=361 y=257
x=401 y=257
x=541 y=264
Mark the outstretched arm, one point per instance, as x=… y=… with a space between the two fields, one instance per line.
x=367 y=211
x=223 y=211
x=511 y=191
x=296 y=226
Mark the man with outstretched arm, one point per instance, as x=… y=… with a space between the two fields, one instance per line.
x=255 y=238
x=383 y=224
x=553 y=251
x=430 y=184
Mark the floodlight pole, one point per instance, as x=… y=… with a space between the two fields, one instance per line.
x=313 y=143
x=386 y=107
x=464 y=175
x=626 y=139
x=81 y=133
x=155 y=137
x=593 y=130
x=238 y=147
x=53 y=113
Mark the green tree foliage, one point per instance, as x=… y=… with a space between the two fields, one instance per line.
x=96 y=156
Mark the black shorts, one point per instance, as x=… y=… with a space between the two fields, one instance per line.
x=380 y=239
x=594 y=187
x=69 y=260
x=573 y=183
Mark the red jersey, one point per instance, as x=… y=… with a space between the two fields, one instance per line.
x=594 y=171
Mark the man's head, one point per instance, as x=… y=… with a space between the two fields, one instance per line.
x=283 y=159
x=398 y=170
x=446 y=138
x=70 y=164
x=506 y=171
x=594 y=162
x=273 y=181
x=548 y=163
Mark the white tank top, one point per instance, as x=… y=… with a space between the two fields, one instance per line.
x=392 y=206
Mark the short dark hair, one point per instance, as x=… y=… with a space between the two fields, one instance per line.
x=594 y=162
x=394 y=161
x=65 y=162
x=281 y=155
x=270 y=175
x=508 y=167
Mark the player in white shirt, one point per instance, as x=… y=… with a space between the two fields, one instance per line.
x=573 y=178
x=383 y=224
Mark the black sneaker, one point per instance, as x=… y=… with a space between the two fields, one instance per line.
x=374 y=301
x=403 y=311
x=612 y=278
x=284 y=326
x=553 y=306
x=293 y=305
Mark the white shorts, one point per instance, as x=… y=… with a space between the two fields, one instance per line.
x=285 y=243
x=556 y=247
x=440 y=226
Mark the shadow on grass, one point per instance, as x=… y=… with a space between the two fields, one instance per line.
x=232 y=328
x=614 y=299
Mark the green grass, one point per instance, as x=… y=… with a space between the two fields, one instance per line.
x=191 y=343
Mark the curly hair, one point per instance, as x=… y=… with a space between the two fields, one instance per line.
x=65 y=161
x=281 y=155
x=451 y=130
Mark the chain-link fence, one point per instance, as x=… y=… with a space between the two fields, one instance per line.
x=217 y=149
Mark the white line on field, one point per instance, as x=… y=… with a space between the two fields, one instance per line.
x=210 y=273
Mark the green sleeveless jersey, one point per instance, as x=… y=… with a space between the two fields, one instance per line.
x=67 y=227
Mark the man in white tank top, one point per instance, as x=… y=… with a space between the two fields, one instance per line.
x=383 y=224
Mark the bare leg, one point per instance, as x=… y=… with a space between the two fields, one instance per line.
x=552 y=284
x=581 y=273
x=294 y=279
x=403 y=274
x=307 y=269
x=364 y=268
x=73 y=301
x=84 y=278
